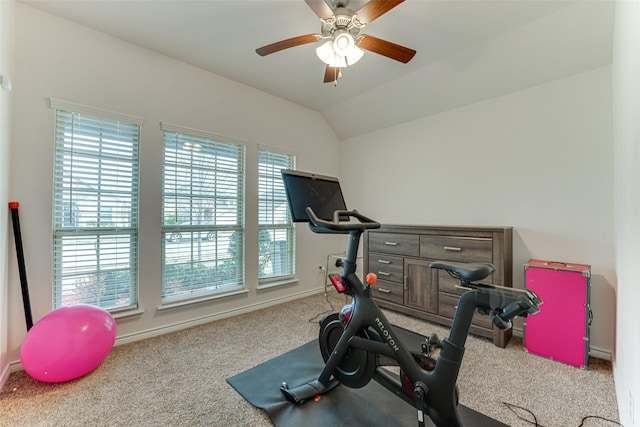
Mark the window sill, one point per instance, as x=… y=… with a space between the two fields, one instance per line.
x=278 y=283
x=128 y=314
x=197 y=300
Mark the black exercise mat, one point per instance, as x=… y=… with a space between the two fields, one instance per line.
x=372 y=405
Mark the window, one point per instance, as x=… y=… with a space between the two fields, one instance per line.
x=202 y=215
x=95 y=208
x=276 y=233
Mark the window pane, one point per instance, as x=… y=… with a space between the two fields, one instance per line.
x=95 y=269
x=276 y=238
x=203 y=216
x=95 y=211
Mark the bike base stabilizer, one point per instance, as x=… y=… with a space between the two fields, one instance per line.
x=302 y=393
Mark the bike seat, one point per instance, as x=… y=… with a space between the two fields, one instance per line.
x=466 y=271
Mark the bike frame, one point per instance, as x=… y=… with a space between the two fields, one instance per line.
x=442 y=378
x=434 y=391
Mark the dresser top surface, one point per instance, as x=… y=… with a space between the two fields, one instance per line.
x=419 y=228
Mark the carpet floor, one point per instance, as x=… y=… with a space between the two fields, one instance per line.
x=179 y=379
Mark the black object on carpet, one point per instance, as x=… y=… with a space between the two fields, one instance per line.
x=372 y=405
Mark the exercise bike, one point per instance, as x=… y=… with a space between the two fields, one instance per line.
x=357 y=343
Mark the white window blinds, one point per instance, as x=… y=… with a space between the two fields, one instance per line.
x=95 y=210
x=203 y=215
x=276 y=257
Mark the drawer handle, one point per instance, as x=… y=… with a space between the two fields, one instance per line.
x=391 y=243
x=384 y=273
x=384 y=291
x=384 y=261
x=452 y=249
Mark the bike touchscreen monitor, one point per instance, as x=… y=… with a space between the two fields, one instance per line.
x=321 y=193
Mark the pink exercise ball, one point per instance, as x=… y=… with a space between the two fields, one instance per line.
x=68 y=343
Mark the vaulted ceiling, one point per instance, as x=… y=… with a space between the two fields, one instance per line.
x=467 y=51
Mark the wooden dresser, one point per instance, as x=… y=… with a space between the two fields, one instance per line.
x=400 y=256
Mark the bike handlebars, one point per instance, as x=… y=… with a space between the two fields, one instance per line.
x=339 y=226
x=508 y=303
x=501 y=303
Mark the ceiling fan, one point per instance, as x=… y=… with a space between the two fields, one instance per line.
x=340 y=29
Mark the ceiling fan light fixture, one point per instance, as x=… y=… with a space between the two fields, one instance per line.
x=343 y=43
x=355 y=55
x=332 y=55
x=326 y=53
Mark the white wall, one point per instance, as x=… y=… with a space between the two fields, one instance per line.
x=573 y=39
x=626 y=108
x=540 y=160
x=56 y=58
x=6 y=69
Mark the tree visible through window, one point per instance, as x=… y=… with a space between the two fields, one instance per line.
x=95 y=210
x=276 y=232
x=202 y=215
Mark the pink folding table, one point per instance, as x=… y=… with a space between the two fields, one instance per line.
x=560 y=331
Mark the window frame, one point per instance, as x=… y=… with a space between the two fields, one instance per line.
x=188 y=226
x=91 y=139
x=289 y=162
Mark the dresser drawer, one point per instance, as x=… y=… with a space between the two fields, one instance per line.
x=464 y=249
x=448 y=305
x=387 y=267
x=449 y=284
x=388 y=291
x=394 y=243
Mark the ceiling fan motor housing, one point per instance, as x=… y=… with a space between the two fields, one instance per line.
x=342 y=19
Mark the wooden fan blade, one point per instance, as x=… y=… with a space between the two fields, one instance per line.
x=286 y=44
x=331 y=74
x=385 y=48
x=374 y=9
x=321 y=8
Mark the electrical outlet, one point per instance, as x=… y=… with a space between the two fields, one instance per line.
x=321 y=269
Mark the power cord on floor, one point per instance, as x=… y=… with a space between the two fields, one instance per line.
x=598 y=418
x=535 y=420
x=326 y=297
x=331 y=310
x=511 y=407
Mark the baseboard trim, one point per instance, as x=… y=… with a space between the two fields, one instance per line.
x=4 y=376
x=598 y=353
x=15 y=366
x=174 y=327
